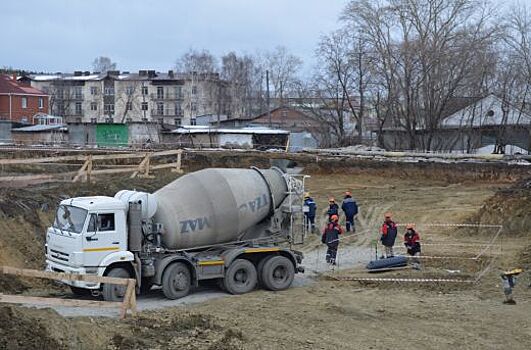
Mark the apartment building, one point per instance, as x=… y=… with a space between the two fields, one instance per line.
x=169 y=98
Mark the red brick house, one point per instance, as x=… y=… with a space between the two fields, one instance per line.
x=20 y=102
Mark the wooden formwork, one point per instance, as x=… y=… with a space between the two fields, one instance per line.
x=129 y=302
x=87 y=172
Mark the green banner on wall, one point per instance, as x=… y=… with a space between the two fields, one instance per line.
x=112 y=135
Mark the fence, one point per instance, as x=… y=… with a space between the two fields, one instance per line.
x=87 y=172
x=129 y=302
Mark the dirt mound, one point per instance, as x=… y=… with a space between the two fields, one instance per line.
x=183 y=331
x=510 y=207
x=22 y=328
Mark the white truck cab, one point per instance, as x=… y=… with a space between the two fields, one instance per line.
x=88 y=234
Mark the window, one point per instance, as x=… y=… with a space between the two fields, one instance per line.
x=60 y=93
x=93 y=106
x=160 y=91
x=144 y=106
x=78 y=108
x=178 y=109
x=70 y=218
x=193 y=121
x=93 y=90
x=129 y=106
x=193 y=106
x=109 y=91
x=160 y=108
x=108 y=109
x=194 y=90
x=129 y=90
x=144 y=90
x=177 y=121
x=104 y=222
x=24 y=102
x=178 y=92
x=45 y=89
x=93 y=120
x=78 y=93
x=284 y=114
x=41 y=103
x=60 y=108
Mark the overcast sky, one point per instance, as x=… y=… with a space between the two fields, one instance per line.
x=66 y=35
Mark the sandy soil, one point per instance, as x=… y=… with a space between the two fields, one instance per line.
x=320 y=313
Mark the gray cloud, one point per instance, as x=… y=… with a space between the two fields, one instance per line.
x=64 y=35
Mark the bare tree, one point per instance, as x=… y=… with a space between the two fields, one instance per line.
x=198 y=61
x=103 y=64
x=283 y=68
x=425 y=52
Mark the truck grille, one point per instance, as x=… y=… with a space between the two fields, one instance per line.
x=59 y=255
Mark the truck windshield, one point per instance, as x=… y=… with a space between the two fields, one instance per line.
x=70 y=218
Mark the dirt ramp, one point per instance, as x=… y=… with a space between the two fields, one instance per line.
x=22 y=328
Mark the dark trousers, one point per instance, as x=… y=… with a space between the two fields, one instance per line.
x=350 y=223
x=310 y=222
x=331 y=252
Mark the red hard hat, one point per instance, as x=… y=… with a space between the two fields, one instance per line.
x=334 y=217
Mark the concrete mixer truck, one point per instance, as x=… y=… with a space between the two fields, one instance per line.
x=229 y=225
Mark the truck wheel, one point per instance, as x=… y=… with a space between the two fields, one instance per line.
x=176 y=281
x=114 y=292
x=278 y=273
x=241 y=277
x=80 y=292
x=260 y=269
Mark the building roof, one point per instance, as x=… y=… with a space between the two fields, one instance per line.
x=39 y=128
x=208 y=130
x=150 y=75
x=10 y=86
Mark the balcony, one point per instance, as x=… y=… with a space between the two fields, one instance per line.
x=167 y=96
x=168 y=112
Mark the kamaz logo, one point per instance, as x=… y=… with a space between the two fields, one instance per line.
x=257 y=204
x=194 y=225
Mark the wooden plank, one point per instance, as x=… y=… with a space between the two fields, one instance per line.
x=61 y=276
x=127 y=299
x=23 y=299
x=81 y=171
x=84 y=157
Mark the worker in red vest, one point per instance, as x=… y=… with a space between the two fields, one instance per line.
x=412 y=243
x=331 y=238
x=388 y=234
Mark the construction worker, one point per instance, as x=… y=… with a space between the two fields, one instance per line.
x=309 y=211
x=350 y=208
x=509 y=281
x=412 y=243
x=331 y=238
x=388 y=235
x=333 y=208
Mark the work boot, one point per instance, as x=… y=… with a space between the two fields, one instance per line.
x=510 y=302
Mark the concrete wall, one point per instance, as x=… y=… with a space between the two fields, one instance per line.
x=81 y=134
x=141 y=133
x=42 y=137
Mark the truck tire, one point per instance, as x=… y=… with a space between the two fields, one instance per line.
x=241 y=277
x=260 y=270
x=278 y=273
x=176 y=281
x=114 y=292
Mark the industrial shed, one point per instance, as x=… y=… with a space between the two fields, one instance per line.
x=206 y=137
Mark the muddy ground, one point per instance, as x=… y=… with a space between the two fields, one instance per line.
x=324 y=313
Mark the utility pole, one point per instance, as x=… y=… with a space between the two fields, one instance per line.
x=267 y=97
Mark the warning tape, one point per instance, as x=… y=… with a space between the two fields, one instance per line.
x=415 y=280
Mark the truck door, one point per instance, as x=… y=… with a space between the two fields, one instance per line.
x=105 y=235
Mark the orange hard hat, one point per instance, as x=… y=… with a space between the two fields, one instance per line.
x=334 y=217
x=348 y=193
x=410 y=226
